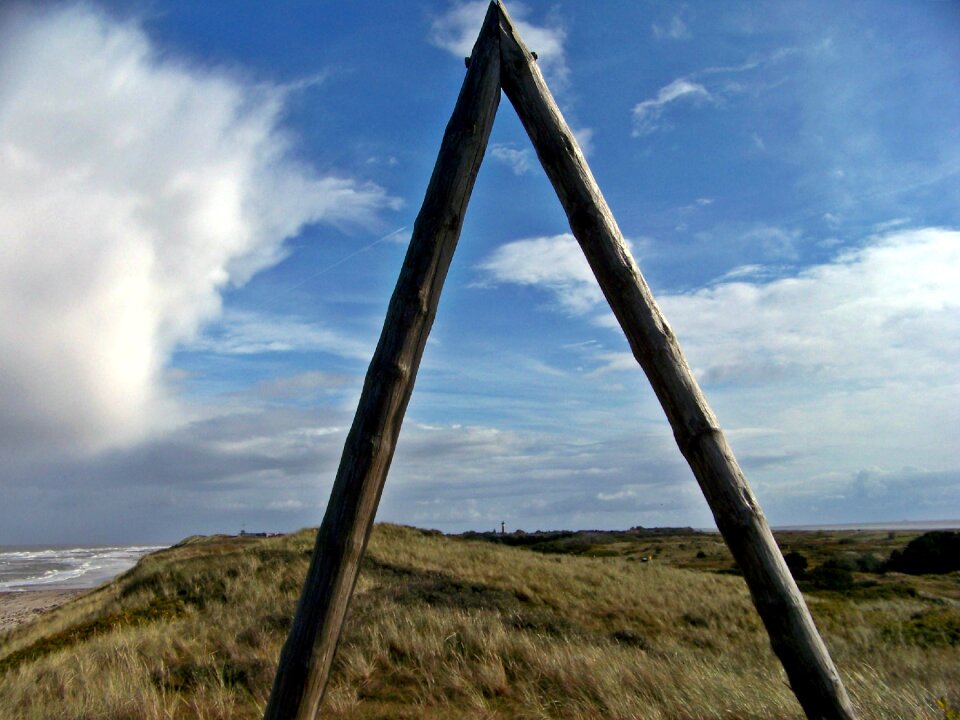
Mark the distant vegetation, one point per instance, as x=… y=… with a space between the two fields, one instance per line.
x=592 y=543
x=933 y=553
x=637 y=624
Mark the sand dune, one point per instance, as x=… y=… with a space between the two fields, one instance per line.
x=19 y=608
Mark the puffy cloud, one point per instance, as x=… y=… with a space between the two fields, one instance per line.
x=456 y=477
x=136 y=189
x=886 y=308
x=646 y=114
x=524 y=160
x=837 y=387
x=456 y=31
x=518 y=160
x=258 y=460
x=885 y=312
x=774 y=242
x=555 y=263
x=247 y=333
x=849 y=364
x=674 y=29
x=584 y=138
x=877 y=495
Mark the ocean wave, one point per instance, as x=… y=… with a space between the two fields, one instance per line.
x=66 y=567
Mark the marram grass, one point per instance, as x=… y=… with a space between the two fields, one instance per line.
x=444 y=628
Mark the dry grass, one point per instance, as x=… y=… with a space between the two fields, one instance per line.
x=441 y=628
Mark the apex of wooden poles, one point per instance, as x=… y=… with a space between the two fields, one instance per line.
x=500 y=60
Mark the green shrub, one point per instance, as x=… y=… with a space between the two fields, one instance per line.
x=949 y=712
x=832 y=575
x=936 y=552
x=797 y=564
x=869 y=563
x=938 y=627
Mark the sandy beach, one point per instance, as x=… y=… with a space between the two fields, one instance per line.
x=19 y=608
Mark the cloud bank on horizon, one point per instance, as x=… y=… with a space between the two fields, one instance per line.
x=196 y=257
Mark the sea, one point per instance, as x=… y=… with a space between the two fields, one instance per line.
x=25 y=568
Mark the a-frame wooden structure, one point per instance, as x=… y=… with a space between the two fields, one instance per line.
x=501 y=61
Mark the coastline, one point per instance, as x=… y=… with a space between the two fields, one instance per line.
x=21 y=608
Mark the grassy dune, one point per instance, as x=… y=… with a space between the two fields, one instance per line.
x=447 y=628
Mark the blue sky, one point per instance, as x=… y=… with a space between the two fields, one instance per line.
x=206 y=206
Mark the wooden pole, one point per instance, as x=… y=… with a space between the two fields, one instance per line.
x=794 y=637
x=308 y=653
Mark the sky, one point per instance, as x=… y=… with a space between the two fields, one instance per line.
x=205 y=207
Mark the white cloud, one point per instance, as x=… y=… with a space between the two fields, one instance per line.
x=271 y=467
x=646 y=114
x=849 y=364
x=752 y=272
x=584 y=138
x=890 y=225
x=882 y=313
x=456 y=31
x=676 y=29
x=250 y=333
x=538 y=480
x=519 y=160
x=886 y=310
x=837 y=387
x=855 y=363
x=135 y=190
x=524 y=160
x=773 y=241
x=554 y=263
x=288 y=505
x=307 y=384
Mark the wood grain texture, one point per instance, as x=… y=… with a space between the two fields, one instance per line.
x=794 y=637
x=308 y=653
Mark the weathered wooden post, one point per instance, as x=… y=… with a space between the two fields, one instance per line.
x=794 y=637
x=308 y=653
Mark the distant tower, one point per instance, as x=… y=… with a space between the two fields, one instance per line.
x=503 y=528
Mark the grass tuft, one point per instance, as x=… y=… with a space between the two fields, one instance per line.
x=566 y=626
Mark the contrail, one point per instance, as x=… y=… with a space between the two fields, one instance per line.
x=342 y=260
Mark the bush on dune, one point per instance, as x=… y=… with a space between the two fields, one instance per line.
x=936 y=552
